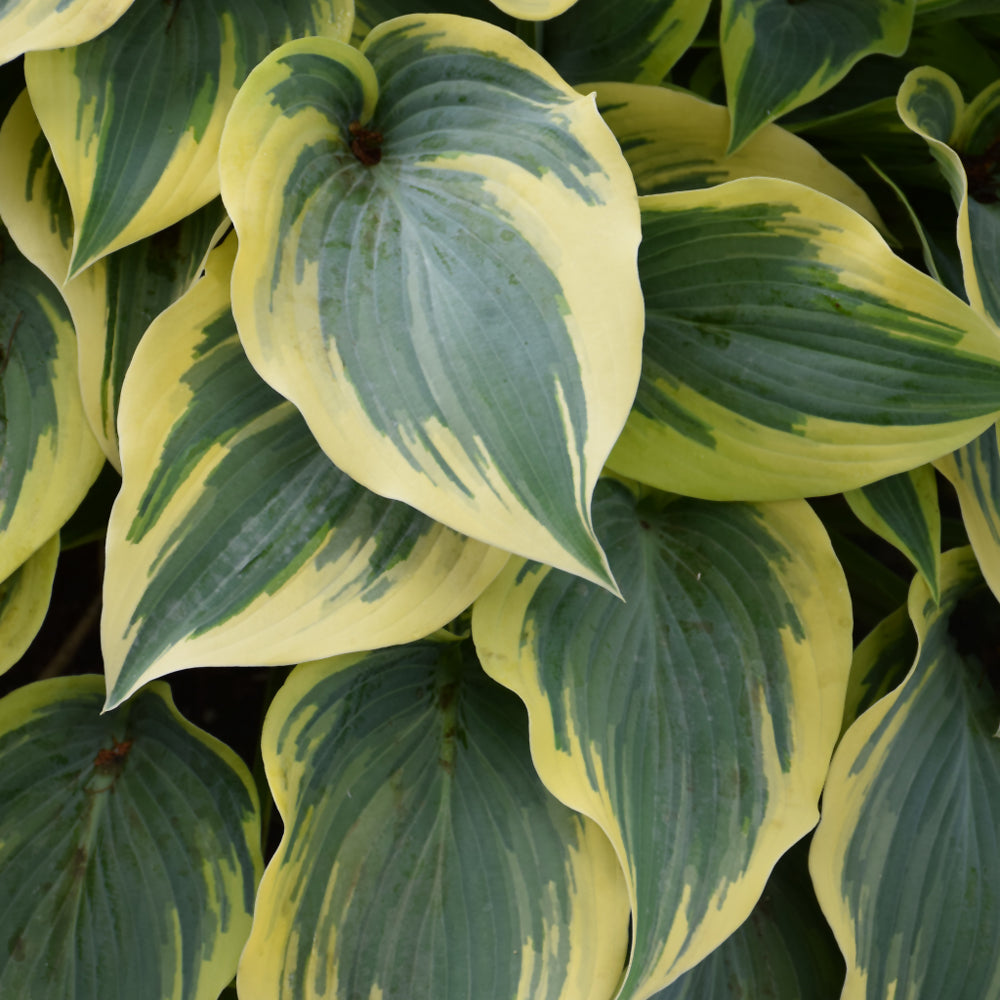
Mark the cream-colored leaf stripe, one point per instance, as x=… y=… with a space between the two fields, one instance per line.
x=904 y=860
x=437 y=266
x=789 y=352
x=129 y=847
x=234 y=539
x=421 y=856
x=137 y=139
x=695 y=721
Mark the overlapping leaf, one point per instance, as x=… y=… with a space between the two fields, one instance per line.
x=784 y=950
x=974 y=471
x=534 y=10
x=778 y=55
x=134 y=116
x=234 y=539
x=675 y=141
x=903 y=510
x=437 y=266
x=695 y=721
x=24 y=599
x=49 y=24
x=48 y=455
x=636 y=42
x=905 y=859
x=965 y=141
x=113 y=301
x=129 y=848
x=422 y=858
x=788 y=352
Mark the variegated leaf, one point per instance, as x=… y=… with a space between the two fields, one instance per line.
x=48 y=455
x=234 y=539
x=906 y=859
x=115 y=299
x=50 y=24
x=534 y=10
x=134 y=117
x=635 y=42
x=881 y=661
x=695 y=721
x=24 y=599
x=422 y=858
x=129 y=848
x=437 y=266
x=369 y=13
x=965 y=142
x=903 y=509
x=788 y=352
x=784 y=950
x=675 y=141
x=778 y=54
x=974 y=471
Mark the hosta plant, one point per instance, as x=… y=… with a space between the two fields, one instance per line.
x=581 y=416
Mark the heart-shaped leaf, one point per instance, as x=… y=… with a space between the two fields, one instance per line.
x=129 y=848
x=695 y=721
x=234 y=539
x=437 y=266
x=422 y=857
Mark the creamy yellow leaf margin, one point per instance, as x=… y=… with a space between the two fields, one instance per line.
x=50 y=24
x=533 y=10
x=210 y=563
x=106 y=299
x=790 y=353
x=930 y=103
x=24 y=599
x=49 y=458
x=675 y=141
x=134 y=116
x=421 y=856
x=904 y=510
x=904 y=860
x=600 y=678
x=129 y=847
x=444 y=190
x=974 y=471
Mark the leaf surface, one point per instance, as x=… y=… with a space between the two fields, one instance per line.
x=694 y=722
x=965 y=142
x=48 y=455
x=788 y=352
x=115 y=299
x=129 y=848
x=905 y=857
x=778 y=55
x=422 y=857
x=234 y=539
x=24 y=599
x=675 y=141
x=50 y=24
x=974 y=471
x=134 y=117
x=460 y=322
x=903 y=510
x=636 y=42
